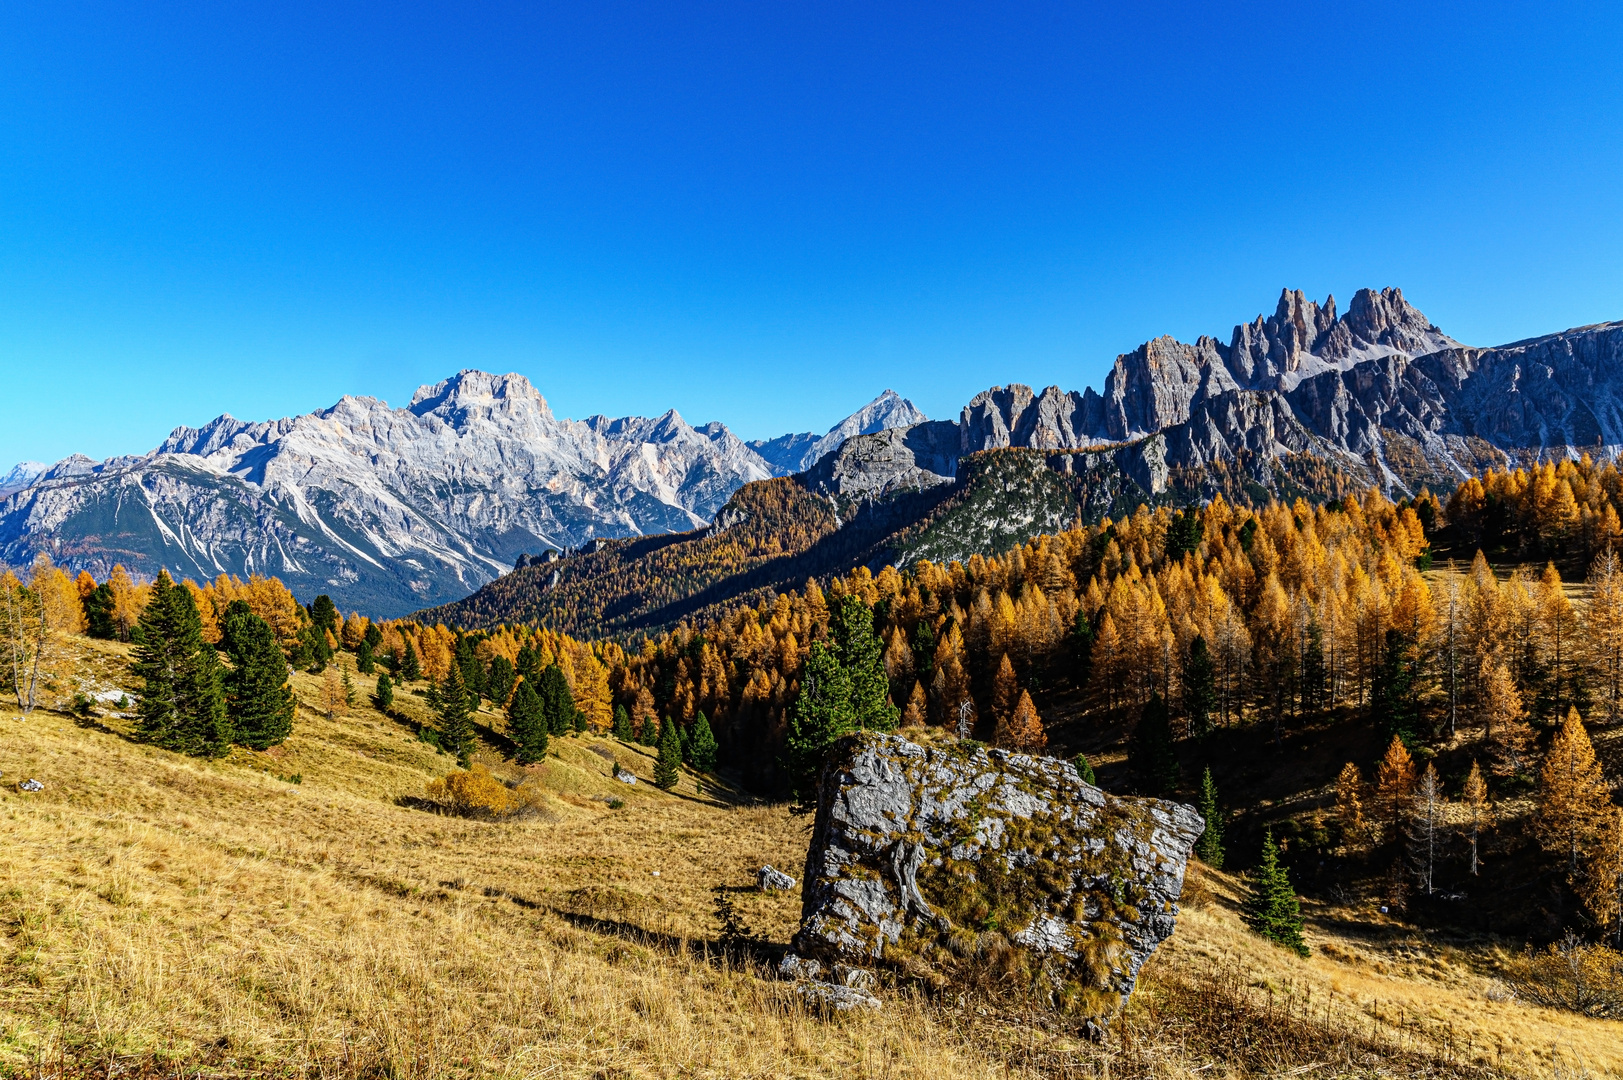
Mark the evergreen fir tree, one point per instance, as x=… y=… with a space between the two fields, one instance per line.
x=821 y=715
x=349 y=687
x=622 y=725
x=668 y=769
x=473 y=672
x=499 y=680
x=315 y=651
x=1084 y=769
x=1392 y=697
x=527 y=723
x=385 y=695
x=455 y=710
x=373 y=637
x=702 y=746
x=1082 y=648
x=1271 y=907
x=259 y=698
x=648 y=734
x=1199 y=687
x=1210 y=845
x=859 y=652
x=182 y=701
x=365 y=663
x=411 y=668
x=557 y=703
x=1152 y=754
x=99 y=613
x=324 y=614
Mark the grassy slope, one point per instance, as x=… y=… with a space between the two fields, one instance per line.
x=159 y=908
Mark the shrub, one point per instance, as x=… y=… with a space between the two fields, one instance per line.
x=1571 y=975
x=472 y=791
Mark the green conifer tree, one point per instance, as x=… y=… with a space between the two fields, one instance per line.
x=455 y=710
x=527 y=723
x=99 y=612
x=859 y=652
x=1199 y=687
x=1393 y=700
x=1152 y=753
x=557 y=703
x=385 y=695
x=649 y=736
x=822 y=713
x=702 y=746
x=182 y=701
x=499 y=680
x=259 y=698
x=1271 y=907
x=349 y=686
x=622 y=725
x=365 y=662
x=1084 y=769
x=411 y=668
x=668 y=769
x=1210 y=845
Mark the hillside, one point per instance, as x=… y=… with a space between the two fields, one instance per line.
x=773 y=535
x=163 y=914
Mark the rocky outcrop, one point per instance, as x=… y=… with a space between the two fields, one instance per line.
x=797 y=453
x=889 y=462
x=941 y=863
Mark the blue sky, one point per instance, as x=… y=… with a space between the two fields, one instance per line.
x=761 y=213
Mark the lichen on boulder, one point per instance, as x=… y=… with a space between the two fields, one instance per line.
x=956 y=864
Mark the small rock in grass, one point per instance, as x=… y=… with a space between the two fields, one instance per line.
x=770 y=879
x=31 y=785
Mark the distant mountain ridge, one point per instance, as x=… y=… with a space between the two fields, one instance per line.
x=1380 y=393
x=389 y=509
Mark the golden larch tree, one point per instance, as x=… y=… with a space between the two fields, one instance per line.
x=1022 y=730
x=1394 y=786
x=1573 y=794
x=1479 y=816
x=1350 y=797
x=1500 y=707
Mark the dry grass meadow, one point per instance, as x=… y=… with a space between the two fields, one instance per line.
x=166 y=916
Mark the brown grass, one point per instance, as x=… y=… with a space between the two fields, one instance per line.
x=160 y=914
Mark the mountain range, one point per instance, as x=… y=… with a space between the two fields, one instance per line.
x=391 y=510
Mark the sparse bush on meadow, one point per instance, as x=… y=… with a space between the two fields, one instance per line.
x=1571 y=975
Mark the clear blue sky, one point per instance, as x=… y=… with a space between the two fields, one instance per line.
x=761 y=213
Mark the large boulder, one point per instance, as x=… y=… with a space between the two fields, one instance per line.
x=952 y=863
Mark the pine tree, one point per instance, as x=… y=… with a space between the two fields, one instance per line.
x=1351 y=795
x=1210 y=845
x=384 y=698
x=1152 y=754
x=1271 y=907
x=99 y=613
x=1023 y=729
x=918 y=708
x=859 y=652
x=527 y=723
x=182 y=701
x=1084 y=769
x=365 y=663
x=668 y=768
x=1478 y=813
x=1394 y=785
x=259 y=698
x=702 y=746
x=455 y=716
x=1005 y=692
x=622 y=725
x=1199 y=687
x=499 y=680
x=1392 y=697
x=349 y=687
x=822 y=713
x=411 y=668
x=557 y=703
x=1573 y=795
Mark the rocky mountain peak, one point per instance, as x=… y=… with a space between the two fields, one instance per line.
x=796 y=453
x=471 y=393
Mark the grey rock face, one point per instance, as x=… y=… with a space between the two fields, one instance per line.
x=388 y=510
x=770 y=879
x=888 y=462
x=931 y=860
x=1381 y=394
x=797 y=453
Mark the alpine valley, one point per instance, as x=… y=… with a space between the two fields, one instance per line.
x=391 y=510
